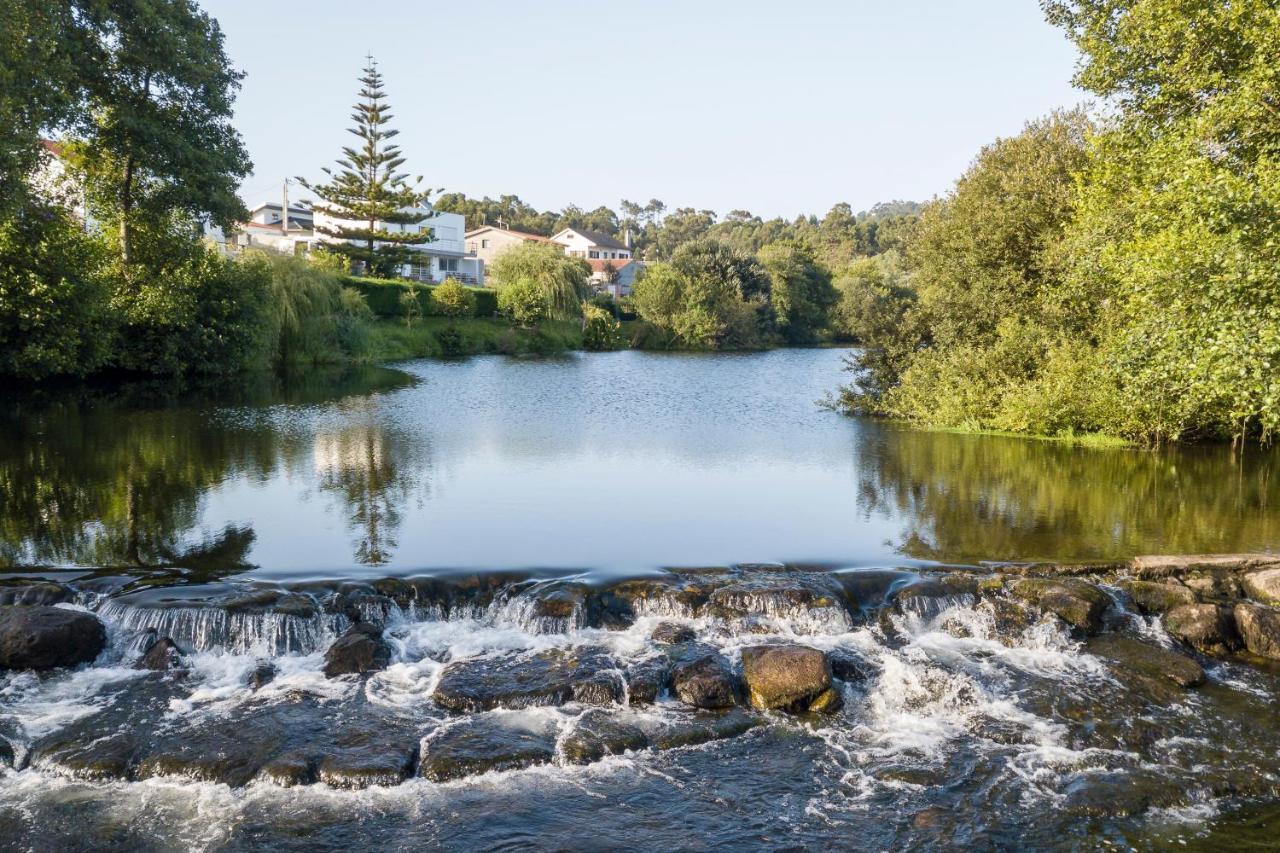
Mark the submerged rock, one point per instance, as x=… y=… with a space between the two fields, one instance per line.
x=290 y=769
x=6 y=753
x=931 y=596
x=360 y=650
x=780 y=597
x=1146 y=663
x=849 y=666
x=551 y=677
x=672 y=633
x=703 y=727
x=498 y=740
x=703 y=678
x=39 y=637
x=367 y=756
x=790 y=677
x=1263 y=586
x=1211 y=628
x=1078 y=603
x=599 y=733
x=647 y=678
x=1259 y=629
x=262 y=675
x=161 y=656
x=1152 y=598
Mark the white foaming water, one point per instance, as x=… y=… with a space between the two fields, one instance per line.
x=215 y=628
x=42 y=705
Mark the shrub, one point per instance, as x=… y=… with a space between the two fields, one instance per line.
x=524 y=302
x=450 y=341
x=561 y=279
x=600 y=331
x=451 y=299
x=54 y=311
x=410 y=305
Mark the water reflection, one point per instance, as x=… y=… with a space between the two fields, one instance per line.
x=618 y=461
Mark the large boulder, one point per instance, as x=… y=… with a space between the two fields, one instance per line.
x=1078 y=603
x=360 y=650
x=1259 y=629
x=498 y=740
x=38 y=593
x=1153 y=598
x=551 y=677
x=38 y=637
x=1210 y=628
x=790 y=677
x=1263 y=586
x=703 y=678
x=646 y=679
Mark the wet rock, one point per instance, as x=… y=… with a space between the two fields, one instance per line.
x=228 y=752
x=1184 y=564
x=1211 y=628
x=778 y=596
x=6 y=753
x=1151 y=598
x=871 y=589
x=289 y=770
x=1263 y=586
x=849 y=666
x=1078 y=603
x=599 y=733
x=560 y=603
x=603 y=688
x=261 y=675
x=786 y=677
x=162 y=655
x=647 y=678
x=931 y=596
x=1214 y=584
x=360 y=650
x=38 y=637
x=525 y=680
x=703 y=727
x=487 y=742
x=1259 y=629
x=363 y=759
x=1136 y=660
x=703 y=678
x=104 y=746
x=671 y=633
x=34 y=593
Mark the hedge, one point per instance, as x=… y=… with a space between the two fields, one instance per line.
x=383 y=296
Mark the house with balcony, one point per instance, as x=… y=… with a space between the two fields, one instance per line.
x=490 y=241
x=443 y=257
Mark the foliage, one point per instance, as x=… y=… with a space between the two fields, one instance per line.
x=309 y=316
x=411 y=304
x=54 y=297
x=368 y=194
x=452 y=299
x=524 y=301
x=601 y=332
x=800 y=293
x=561 y=279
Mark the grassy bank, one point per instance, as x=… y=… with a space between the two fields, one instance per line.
x=442 y=337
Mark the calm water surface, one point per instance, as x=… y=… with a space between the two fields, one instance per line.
x=611 y=462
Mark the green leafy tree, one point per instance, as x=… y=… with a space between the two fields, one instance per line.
x=562 y=279
x=376 y=210
x=452 y=299
x=600 y=330
x=801 y=293
x=524 y=301
x=160 y=148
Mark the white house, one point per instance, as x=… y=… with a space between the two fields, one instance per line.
x=443 y=257
x=488 y=242
x=604 y=254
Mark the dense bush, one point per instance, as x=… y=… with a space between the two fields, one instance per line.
x=55 y=316
x=383 y=296
x=601 y=332
x=524 y=302
x=451 y=299
x=562 y=279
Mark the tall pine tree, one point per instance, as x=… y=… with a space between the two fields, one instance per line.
x=368 y=195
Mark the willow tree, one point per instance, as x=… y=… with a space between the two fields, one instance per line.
x=369 y=199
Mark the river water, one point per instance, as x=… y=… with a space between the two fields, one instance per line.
x=451 y=501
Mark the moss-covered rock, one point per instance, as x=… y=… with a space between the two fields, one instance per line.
x=1078 y=603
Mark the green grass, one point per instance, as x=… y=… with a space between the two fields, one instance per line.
x=393 y=340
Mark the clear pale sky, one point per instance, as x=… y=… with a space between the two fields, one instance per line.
x=776 y=107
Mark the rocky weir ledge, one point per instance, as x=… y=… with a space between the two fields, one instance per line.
x=354 y=684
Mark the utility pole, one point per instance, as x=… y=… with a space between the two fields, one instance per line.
x=284 y=211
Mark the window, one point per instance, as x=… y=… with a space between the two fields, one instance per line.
x=593 y=254
x=484 y=244
x=448 y=264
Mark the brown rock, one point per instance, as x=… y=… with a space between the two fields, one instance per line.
x=1263 y=586
x=786 y=677
x=1259 y=629
x=1152 y=598
x=1208 y=627
x=1076 y=602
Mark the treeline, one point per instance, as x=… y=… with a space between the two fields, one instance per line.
x=1116 y=274
x=656 y=232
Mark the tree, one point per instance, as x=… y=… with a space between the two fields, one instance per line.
x=524 y=301
x=369 y=193
x=161 y=149
x=562 y=279
x=800 y=293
